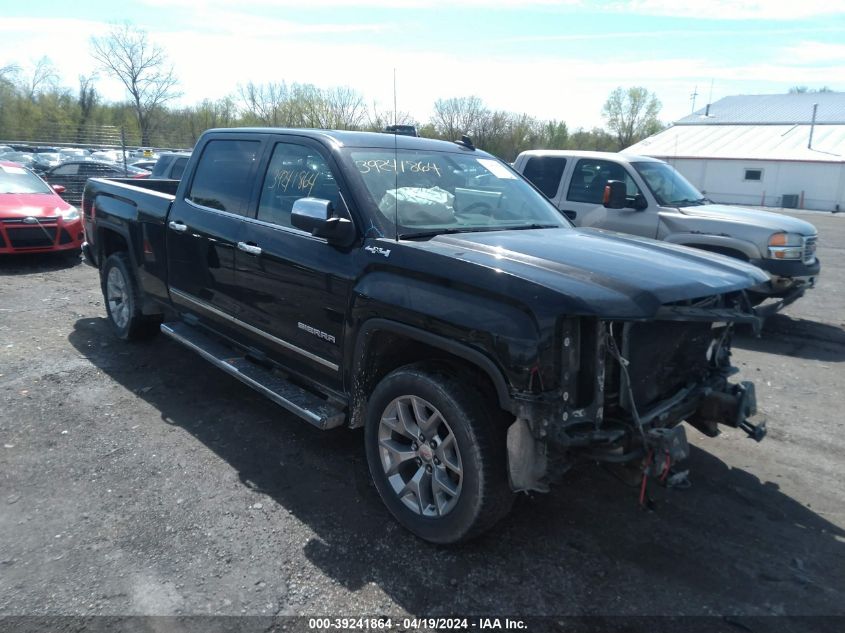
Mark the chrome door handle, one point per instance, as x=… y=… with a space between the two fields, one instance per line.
x=249 y=248
x=178 y=226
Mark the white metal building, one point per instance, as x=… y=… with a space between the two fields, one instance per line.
x=761 y=149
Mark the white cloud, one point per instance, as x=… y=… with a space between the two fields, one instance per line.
x=815 y=52
x=733 y=9
x=397 y=5
x=243 y=25
x=211 y=59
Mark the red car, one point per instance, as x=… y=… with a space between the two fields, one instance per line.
x=33 y=218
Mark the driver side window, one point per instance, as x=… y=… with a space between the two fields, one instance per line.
x=294 y=172
x=590 y=178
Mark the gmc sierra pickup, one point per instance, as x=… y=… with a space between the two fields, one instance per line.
x=658 y=202
x=425 y=291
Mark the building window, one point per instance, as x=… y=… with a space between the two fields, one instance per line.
x=754 y=174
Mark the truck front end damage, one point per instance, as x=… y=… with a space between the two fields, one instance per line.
x=625 y=388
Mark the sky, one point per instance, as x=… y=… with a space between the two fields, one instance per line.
x=551 y=59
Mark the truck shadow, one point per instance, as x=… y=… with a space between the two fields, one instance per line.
x=731 y=543
x=799 y=338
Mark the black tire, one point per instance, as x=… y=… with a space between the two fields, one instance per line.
x=484 y=495
x=125 y=317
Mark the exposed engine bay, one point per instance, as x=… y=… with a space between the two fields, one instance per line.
x=628 y=385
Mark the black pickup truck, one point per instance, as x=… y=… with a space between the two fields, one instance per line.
x=425 y=291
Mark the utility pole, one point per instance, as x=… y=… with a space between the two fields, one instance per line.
x=693 y=96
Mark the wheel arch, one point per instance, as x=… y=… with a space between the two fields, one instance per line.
x=383 y=345
x=112 y=240
x=721 y=244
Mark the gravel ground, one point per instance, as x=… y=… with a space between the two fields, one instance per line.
x=137 y=479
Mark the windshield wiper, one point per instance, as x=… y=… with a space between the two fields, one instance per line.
x=686 y=202
x=436 y=232
x=521 y=227
x=476 y=229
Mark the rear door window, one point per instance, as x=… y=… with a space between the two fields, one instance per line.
x=545 y=173
x=66 y=170
x=178 y=168
x=223 y=177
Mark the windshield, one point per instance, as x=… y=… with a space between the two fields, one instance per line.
x=19 y=180
x=669 y=187
x=422 y=193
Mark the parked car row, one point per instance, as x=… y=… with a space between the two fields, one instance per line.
x=40 y=190
x=40 y=158
x=72 y=175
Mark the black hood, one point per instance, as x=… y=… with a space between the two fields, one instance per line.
x=598 y=272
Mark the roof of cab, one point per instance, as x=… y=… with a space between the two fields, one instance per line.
x=571 y=153
x=346 y=138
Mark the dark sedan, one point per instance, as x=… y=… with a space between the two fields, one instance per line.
x=73 y=175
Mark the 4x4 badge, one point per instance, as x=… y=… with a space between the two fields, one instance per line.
x=378 y=250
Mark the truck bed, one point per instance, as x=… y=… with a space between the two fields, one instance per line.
x=129 y=195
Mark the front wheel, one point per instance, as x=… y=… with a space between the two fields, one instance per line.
x=437 y=455
x=123 y=300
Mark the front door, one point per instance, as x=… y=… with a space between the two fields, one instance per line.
x=582 y=201
x=294 y=287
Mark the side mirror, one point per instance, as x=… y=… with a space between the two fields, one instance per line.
x=615 y=194
x=59 y=189
x=640 y=203
x=319 y=217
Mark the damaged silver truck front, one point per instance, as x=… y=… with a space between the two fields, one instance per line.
x=627 y=385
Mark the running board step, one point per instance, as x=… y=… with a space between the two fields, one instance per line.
x=297 y=400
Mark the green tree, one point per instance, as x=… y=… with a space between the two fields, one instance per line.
x=631 y=115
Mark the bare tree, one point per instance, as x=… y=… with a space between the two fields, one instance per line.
x=377 y=119
x=9 y=73
x=345 y=107
x=631 y=115
x=266 y=103
x=458 y=115
x=127 y=54
x=44 y=75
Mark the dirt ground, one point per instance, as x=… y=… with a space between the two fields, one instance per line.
x=137 y=479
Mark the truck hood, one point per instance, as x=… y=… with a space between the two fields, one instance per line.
x=773 y=222
x=591 y=271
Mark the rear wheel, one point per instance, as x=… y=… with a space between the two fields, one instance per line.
x=123 y=300
x=437 y=454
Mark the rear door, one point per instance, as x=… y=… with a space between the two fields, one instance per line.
x=294 y=287
x=582 y=201
x=204 y=226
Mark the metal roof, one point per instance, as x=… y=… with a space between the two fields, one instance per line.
x=750 y=142
x=771 y=109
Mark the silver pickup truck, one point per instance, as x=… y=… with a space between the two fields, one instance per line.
x=659 y=203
